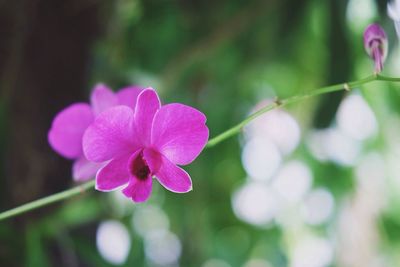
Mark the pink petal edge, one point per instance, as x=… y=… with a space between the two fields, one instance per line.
x=83 y=170
x=146 y=107
x=179 y=132
x=68 y=126
x=128 y=95
x=114 y=175
x=173 y=178
x=102 y=98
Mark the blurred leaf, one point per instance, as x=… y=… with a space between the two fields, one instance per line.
x=36 y=253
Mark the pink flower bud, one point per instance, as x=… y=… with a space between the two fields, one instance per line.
x=376 y=45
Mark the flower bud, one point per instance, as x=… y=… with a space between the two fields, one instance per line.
x=376 y=45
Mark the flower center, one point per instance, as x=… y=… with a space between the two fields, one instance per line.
x=139 y=167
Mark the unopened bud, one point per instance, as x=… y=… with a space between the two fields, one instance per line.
x=376 y=45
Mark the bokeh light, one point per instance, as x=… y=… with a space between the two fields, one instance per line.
x=333 y=145
x=318 y=207
x=355 y=118
x=149 y=218
x=312 y=251
x=255 y=203
x=261 y=158
x=293 y=181
x=278 y=126
x=113 y=241
x=162 y=248
x=360 y=13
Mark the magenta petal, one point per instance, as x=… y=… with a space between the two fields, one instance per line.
x=179 y=133
x=128 y=96
x=146 y=106
x=110 y=135
x=102 y=98
x=153 y=159
x=83 y=169
x=172 y=177
x=114 y=174
x=138 y=190
x=65 y=135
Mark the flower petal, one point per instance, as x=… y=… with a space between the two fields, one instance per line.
x=65 y=135
x=110 y=135
x=114 y=174
x=147 y=105
x=179 y=133
x=139 y=190
x=172 y=177
x=128 y=96
x=83 y=169
x=153 y=159
x=102 y=98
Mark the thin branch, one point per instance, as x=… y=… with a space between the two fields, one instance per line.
x=212 y=142
x=47 y=200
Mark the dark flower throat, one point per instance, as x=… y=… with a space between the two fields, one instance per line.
x=139 y=167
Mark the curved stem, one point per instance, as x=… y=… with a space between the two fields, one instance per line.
x=212 y=142
x=323 y=90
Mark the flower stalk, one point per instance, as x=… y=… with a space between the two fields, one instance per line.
x=47 y=200
x=212 y=142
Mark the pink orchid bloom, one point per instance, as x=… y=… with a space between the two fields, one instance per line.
x=149 y=140
x=65 y=135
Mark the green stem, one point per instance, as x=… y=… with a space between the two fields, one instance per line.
x=212 y=142
x=279 y=103
x=47 y=200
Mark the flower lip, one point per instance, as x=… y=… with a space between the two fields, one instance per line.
x=139 y=168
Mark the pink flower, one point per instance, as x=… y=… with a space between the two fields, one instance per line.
x=65 y=135
x=149 y=140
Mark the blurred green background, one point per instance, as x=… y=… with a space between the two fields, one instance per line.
x=313 y=185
